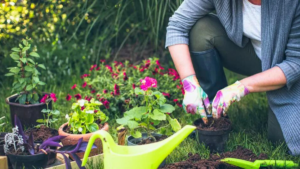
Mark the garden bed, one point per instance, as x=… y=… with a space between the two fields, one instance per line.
x=195 y=161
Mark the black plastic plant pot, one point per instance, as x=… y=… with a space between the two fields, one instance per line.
x=36 y=161
x=2 y=135
x=131 y=141
x=51 y=155
x=214 y=140
x=28 y=114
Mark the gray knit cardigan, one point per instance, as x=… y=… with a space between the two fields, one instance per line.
x=280 y=47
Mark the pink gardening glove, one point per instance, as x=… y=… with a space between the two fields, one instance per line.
x=195 y=99
x=225 y=97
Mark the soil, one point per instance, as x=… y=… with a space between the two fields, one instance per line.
x=150 y=140
x=41 y=134
x=213 y=125
x=196 y=162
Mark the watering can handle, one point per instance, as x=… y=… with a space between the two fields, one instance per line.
x=106 y=139
x=277 y=163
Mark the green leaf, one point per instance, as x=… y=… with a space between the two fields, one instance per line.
x=29 y=69
x=24 y=60
x=25 y=48
x=44 y=111
x=15 y=56
x=92 y=127
x=40 y=120
x=36 y=79
x=136 y=112
x=16 y=49
x=157 y=115
x=132 y=124
x=29 y=87
x=75 y=105
x=15 y=70
x=174 y=124
x=89 y=119
x=136 y=134
x=41 y=83
x=167 y=108
x=36 y=97
x=34 y=54
x=123 y=121
x=9 y=74
x=138 y=91
x=55 y=112
x=22 y=99
x=20 y=46
x=41 y=66
x=30 y=60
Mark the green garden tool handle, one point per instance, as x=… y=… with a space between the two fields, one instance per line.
x=277 y=163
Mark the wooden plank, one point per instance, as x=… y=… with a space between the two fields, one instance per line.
x=95 y=160
x=3 y=162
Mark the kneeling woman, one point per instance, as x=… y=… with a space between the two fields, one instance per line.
x=260 y=39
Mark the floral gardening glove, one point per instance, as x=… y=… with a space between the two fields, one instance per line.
x=195 y=99
x=226 y=96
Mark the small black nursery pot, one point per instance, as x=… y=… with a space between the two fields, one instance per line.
x=35 y=161
x=131 y=141
x=2 y=135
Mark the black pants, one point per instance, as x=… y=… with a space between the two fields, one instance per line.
x=211 y=50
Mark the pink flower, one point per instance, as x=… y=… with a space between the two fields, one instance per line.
x=116 y=90
x=95 y=111
x=84 y=85
x=93 y=67
x=114 y=75
x=135 y=67
x=101 y=99
x=158 y=64
x=53 y=97
x=98 y=68
x=109 y=68
x=166 y=94
x=90 y=86
x=82 y=108
x=74 y=86
x=88 y=98
x=178 y=104
x=112 y=93
x=147 y=64
x=142 y=69
x=104 y=91
x=173 y=72
x=106 y=104
x=78 y=96
x=133 y=86
x=45 y=97
x=125 y=76
x=102 y=61
x=93 y=91
x=68 y=97
x=175 y=100
x=147 y=83
x=85 y=75
x=182 y=91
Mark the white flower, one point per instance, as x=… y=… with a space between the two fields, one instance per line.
x=80 y=129
x=67 y=117
x=81 y=102
x=90 y=112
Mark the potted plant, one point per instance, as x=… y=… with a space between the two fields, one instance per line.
x=23 y=153
x=153 y=117
x=85 y=119
x=25 y=103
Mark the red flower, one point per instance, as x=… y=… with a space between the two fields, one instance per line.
x=104 y=91
x=116 y=63
x=84 y=85
x=135 y=67
x=155 y=71
x=53 y=97
x=93 y=67
x=133 y=86
x=74 y=86
x=173 y=72
x=175 y=100
x=116 y=90
x=82 y=108
x=68 y=97
x=109 y=68
x=147 y=83
x=90 y=86
x=178 y=104
x=125 y=76
x=78 y=96
x=93 y=91
x=106 y=104
x=45 y=97
x=178 y=87
x=101 y=99
x=147 y=64
x=88 y=98
x=182 y=91
x=166 y=94
x=95 y=111
x=114 y=75
x=98 y=68
x=112 y=93
x=142 y=69
x=102 y=61
x=85 y=75
x=158 y=64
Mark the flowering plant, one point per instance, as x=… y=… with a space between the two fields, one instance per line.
x=50 y=116
x=114 y=85
x=86 y=116
x=26 y=74
x=151 y=113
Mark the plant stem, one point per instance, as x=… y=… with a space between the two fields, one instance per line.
x=47 y=116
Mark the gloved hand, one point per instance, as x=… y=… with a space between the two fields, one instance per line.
x=195 y=99
x=225 y=97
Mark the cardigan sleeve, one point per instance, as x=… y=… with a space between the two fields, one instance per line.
x=184 y=18
x=291 y=65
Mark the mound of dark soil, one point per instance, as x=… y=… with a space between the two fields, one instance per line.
x=41 y=134
x=151 y=140
x=196 y=162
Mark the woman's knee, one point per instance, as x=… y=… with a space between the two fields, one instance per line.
x=203 y=32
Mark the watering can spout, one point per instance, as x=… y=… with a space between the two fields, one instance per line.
x=107 y=141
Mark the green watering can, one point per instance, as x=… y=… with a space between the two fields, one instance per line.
x=136 y=157
x=259 y=163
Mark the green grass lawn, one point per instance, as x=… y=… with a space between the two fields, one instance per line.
x=249 y=118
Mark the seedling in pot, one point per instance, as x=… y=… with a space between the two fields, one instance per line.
x=26 y=75
x=155 y=112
